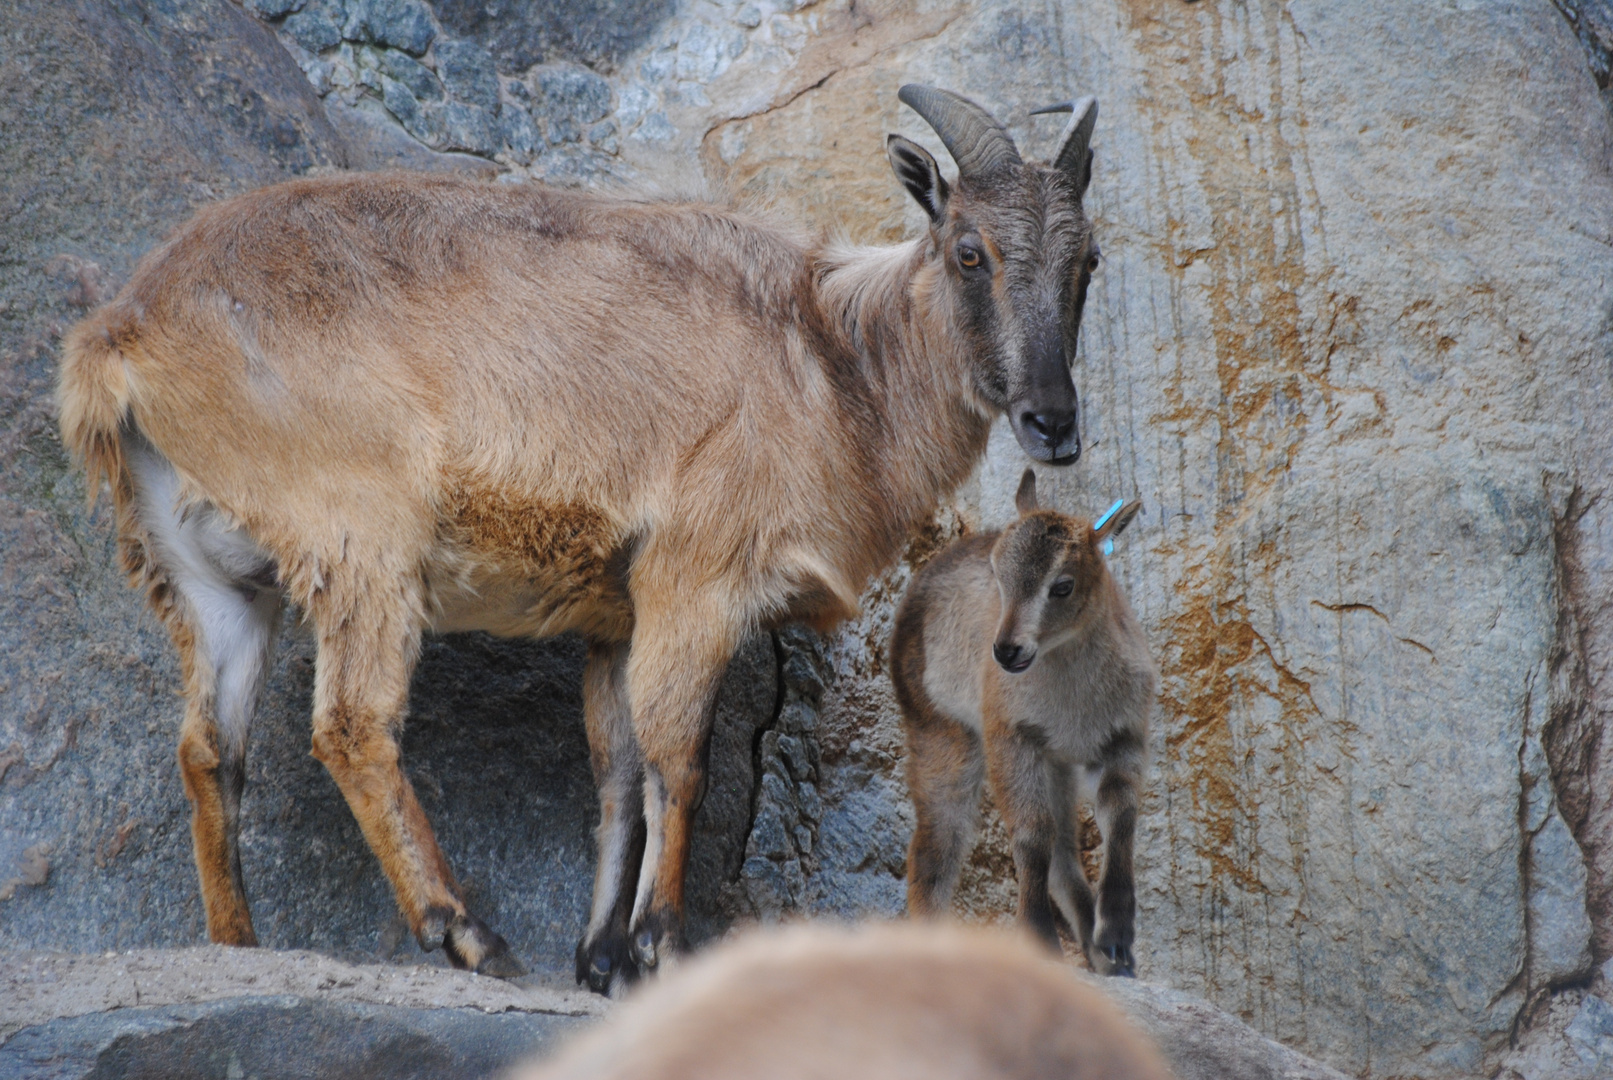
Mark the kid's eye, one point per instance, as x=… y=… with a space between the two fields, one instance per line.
x=1094 y=259
x=1062 y=587
x=968 y=257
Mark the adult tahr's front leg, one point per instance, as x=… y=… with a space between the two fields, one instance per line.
x=368 y=639
x=604 y=956
x=1112 y=940
x=677 y=662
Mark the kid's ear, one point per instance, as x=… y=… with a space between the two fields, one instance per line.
x=1116 y=523
x=1025 y=498
x=918 y=172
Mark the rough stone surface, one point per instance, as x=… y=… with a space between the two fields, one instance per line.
x=1350 y=344
x=516 y=132
x=411 y=73
x=281 y=1036
x=178 y=1014
x=314 y=31
x=402 y=24
x=587 y=31
x=467 y=70
x=567 y=92
x=469 y=128
x=213 y=1013
x=1203 y=1043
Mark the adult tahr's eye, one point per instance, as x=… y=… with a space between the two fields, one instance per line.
x=968 y=257
x=1093 y=260
x=1062 y=587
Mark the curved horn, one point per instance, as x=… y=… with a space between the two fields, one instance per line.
x=1073 y=154
x=977 y=142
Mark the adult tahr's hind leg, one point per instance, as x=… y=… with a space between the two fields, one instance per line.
x=214 y=589
x=369 y=637
x=229 y=657
x=604 y=957
x=945 y=767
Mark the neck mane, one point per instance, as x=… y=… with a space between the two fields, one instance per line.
x=929 y=428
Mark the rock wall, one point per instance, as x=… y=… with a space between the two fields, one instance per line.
x=1350 y=344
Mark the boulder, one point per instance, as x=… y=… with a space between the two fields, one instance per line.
x=181 y=1013
x=213 y=1012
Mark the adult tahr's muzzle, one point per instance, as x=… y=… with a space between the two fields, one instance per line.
x=1051 y=433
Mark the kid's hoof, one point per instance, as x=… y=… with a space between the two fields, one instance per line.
x=1117 y=961
x=606 y=964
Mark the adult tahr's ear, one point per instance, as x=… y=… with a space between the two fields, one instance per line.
x=1025 y=497
x=1074 y=154
x=1116 y=523
x=918 y=172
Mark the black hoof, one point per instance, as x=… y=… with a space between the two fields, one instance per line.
x=656 y=941
x=605 y=962
x=1118 y=961
x=504 y=965
x=433 y=931
x=644 y=947
x=473 y=946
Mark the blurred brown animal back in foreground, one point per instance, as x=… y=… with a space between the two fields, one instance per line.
x=881 y=1001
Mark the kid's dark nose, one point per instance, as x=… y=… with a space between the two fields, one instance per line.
x=1012 y=657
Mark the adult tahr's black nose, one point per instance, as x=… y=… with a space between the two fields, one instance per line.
x=1051 y=426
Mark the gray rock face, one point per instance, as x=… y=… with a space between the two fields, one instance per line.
x=468 y=71
x=314 y=31
x=279 y=1036
x=571 y=96
x=1203 y=1043
x=420 y=80
x=213 y=1012
x=272 y=9
x=516 y=132
x=401 y=24
x=469 y=128
x=587 y=31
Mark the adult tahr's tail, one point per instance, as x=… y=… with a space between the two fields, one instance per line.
x=92 y=397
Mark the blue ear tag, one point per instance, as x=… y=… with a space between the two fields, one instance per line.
x=1109 y=544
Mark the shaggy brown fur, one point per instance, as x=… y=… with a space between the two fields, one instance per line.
x=1016 y=654
x=885 y=1001
x=411 y=403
